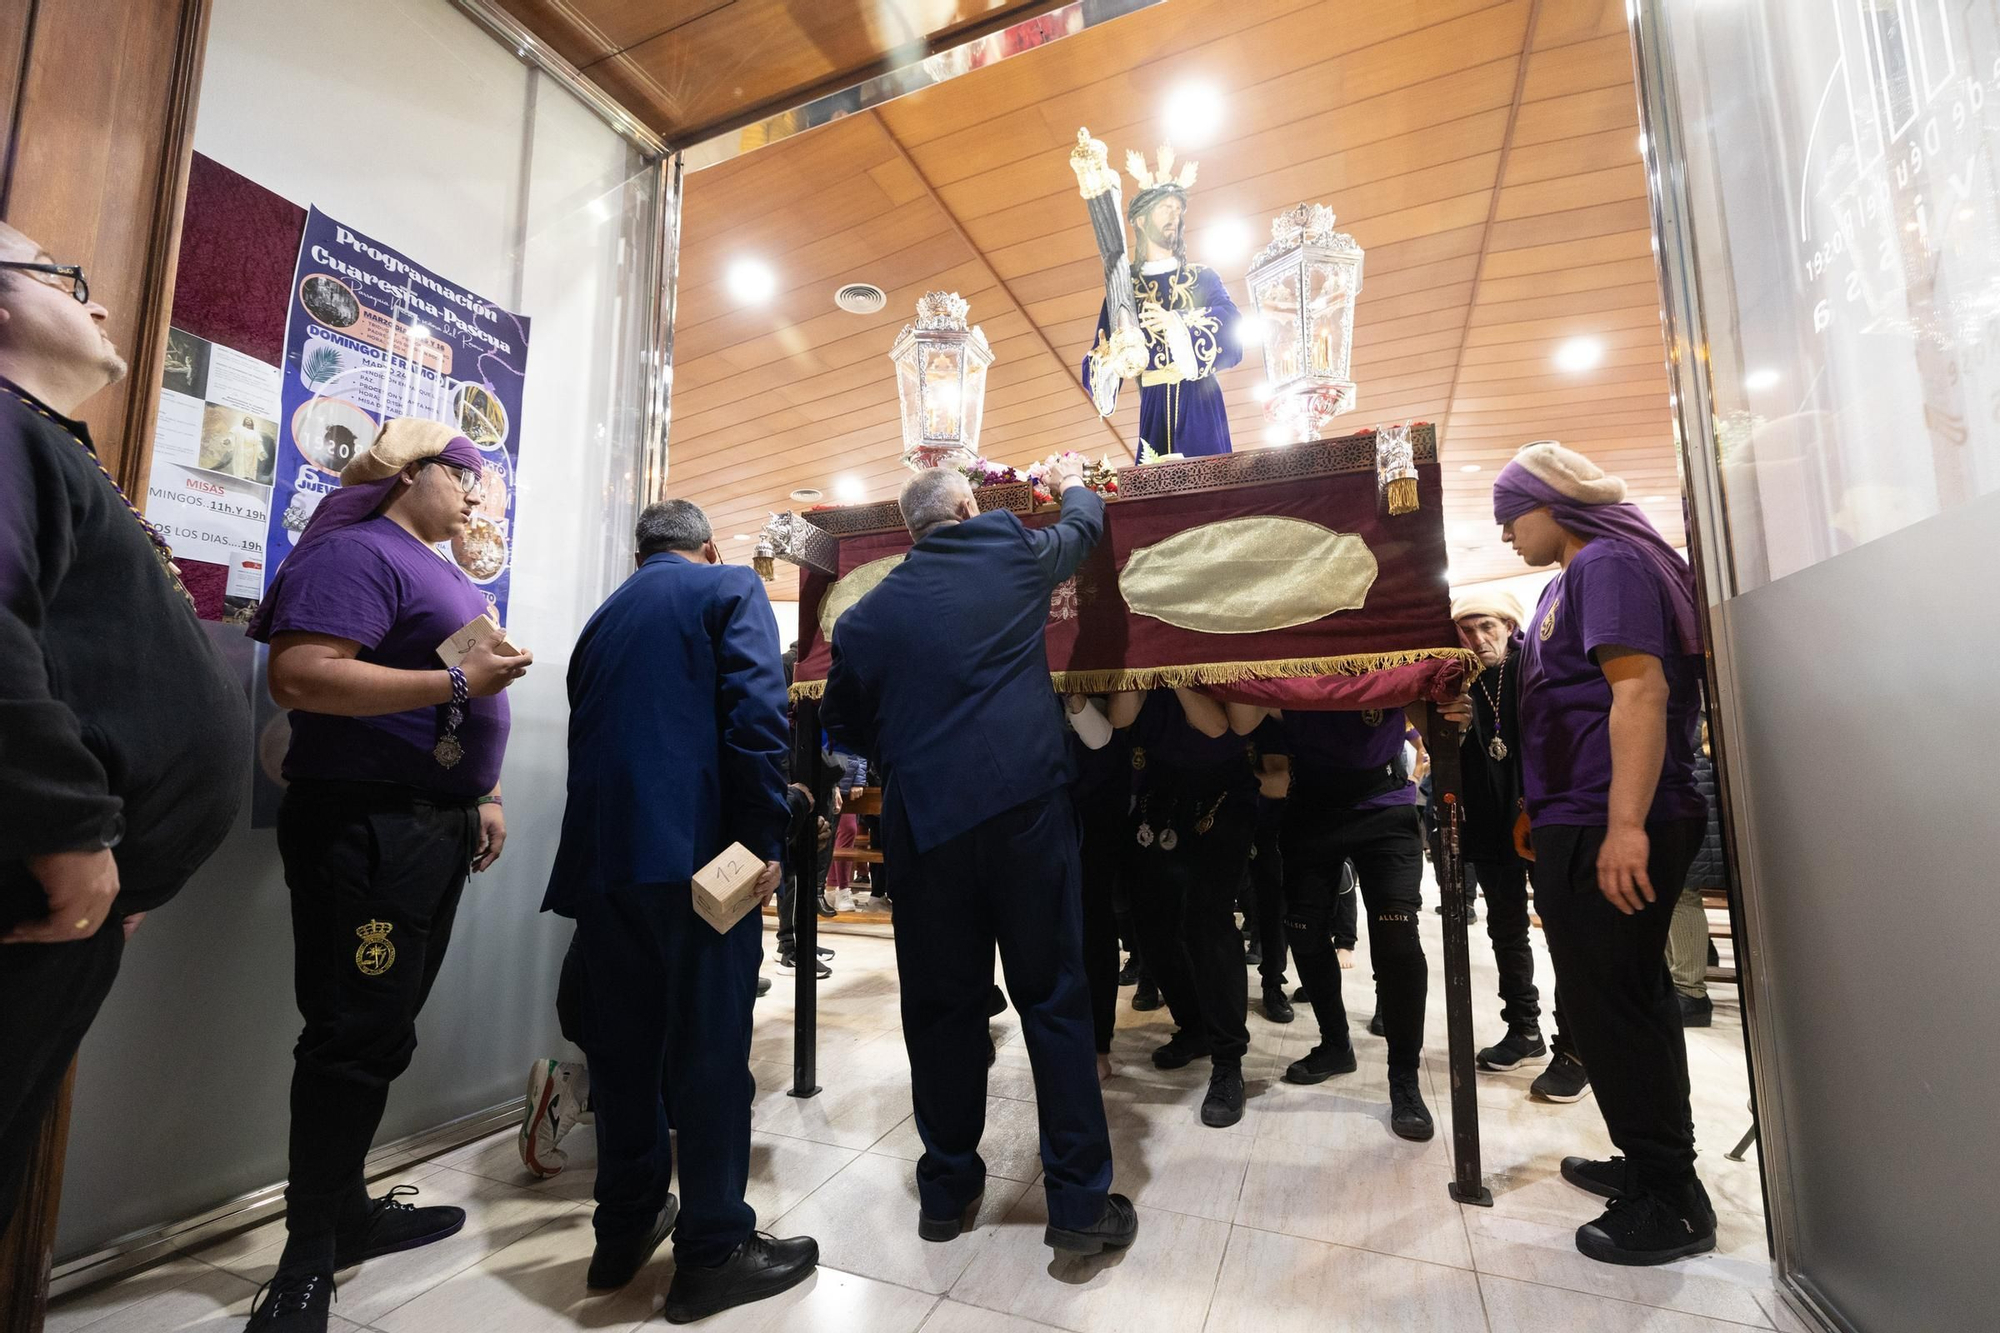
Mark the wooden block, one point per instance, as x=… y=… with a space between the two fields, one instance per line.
x=725 y=889
x=474 y=632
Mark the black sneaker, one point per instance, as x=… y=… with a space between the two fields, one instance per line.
x=618 y=1259
x=291 y=1303
x=1147 y=998
x=1183 y=1048
x=1321 y=1063
x=1563 y=1081
x=789 y=965
x=1408 y=1116
x=1223 y=1106
x=1253 y=954
x=1644 y=1229
x=1375 y=1028
x=392 y=1225
x=1113 y=1230
x=826 y=905
x=941 y=1229
x=1276 y=1007
x=1607 y=1178
x=1128 y=975
x=761 y=1266
x=1299 y=996
x=1696 y=1011
x=1522 y=1043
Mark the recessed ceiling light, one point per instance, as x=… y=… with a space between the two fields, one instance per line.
x=1655 y=500
x=849 y=489
x=1260 y=392
x=1249 y=331
x=1469 y=467
x=739 y=536
x=1226 y=241
x=807 y=494
x=1276 y=434
x=1193 y=115
x=1760 y=379
x=1579 y=354
x=751 y=281
x=860 y=298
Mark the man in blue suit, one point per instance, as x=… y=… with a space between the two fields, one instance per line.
x=677 y=748
x=941 y=672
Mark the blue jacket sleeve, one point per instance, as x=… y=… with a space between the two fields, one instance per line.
x=848 y=711
x=1062 y=546
x=750 y=701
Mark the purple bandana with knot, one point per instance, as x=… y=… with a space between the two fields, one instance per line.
x=1517 y=490
x=345 y=507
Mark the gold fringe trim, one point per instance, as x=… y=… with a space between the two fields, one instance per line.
x=1403 y=496
x=1226 y=673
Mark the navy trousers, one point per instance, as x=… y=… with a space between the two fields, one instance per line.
x=1014 y=881
x=667 y=1015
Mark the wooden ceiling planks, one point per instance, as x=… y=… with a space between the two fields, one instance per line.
x=1485 y=154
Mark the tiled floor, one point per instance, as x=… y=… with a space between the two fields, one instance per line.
x=1307 y=1216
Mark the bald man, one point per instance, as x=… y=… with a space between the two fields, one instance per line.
x=124 y=737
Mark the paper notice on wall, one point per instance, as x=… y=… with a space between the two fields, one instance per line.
x=214 y=451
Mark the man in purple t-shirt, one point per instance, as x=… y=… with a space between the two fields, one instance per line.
x=393 y=796
x=1610 y=699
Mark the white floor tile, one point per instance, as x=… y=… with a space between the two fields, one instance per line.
x=1160 y=1285
x=1523 y=1307
x=1369 y=1201
x=951 y=1317
x=1282 y=1284
x=1011 y=1146
x=207 y=1300
x=1711 y=1286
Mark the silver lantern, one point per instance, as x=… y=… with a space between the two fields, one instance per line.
x=1303 y=286
x=941 y=379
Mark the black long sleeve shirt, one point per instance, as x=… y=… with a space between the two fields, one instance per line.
x=120 y=722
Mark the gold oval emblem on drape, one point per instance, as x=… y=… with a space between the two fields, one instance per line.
x=850 y=588
x=1249 y=575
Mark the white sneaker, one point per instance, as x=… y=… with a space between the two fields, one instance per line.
x=558 y=1100
x=843 y=900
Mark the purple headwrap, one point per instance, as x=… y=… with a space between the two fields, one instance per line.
x=364 y=490
x=1517 y=490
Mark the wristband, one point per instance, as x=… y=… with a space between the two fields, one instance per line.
x=488 y=800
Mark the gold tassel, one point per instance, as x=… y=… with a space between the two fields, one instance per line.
x=1403 y=496
x=1225 y=673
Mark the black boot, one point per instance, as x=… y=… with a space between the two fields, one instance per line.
x=1147 y=997
x=1128 y=975
x=1408 y=1116
x=1522 y=1043
x=941 y=1229
x=1183 y=1048
x=1697 y=1011
x=618 y=1259
x=292 y=1303
x=1276 y=1007
x=1223 y=1106
x=392 y=1225
x=1375 y=1028
x=1114 y=1229
x=1648 y=1228
x=761 y=1266
x=1322 y=1063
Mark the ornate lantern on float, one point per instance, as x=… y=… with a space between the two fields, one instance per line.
x=1303 y=286
x=941 y=380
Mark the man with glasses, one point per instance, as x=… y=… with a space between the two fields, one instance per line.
x=393 y=795
x=124 y=737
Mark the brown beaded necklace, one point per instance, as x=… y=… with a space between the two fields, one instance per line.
x=160 y=547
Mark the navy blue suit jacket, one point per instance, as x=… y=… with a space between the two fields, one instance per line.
x=678 y=741
x=941 y=671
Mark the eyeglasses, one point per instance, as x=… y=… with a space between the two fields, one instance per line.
x=467 y=479
x=79 y=287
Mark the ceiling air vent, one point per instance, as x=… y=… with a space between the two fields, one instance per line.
x=860 y=298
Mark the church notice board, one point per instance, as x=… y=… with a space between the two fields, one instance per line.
x=1275 y=576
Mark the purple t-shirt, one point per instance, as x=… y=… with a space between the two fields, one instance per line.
x=1169 y=739
x=1606 y=597
x=1349 y=744
x=377 y=584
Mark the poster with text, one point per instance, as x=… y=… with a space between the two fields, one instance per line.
x=214 y=450
x=371 y=335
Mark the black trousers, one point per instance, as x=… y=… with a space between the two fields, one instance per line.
x=1505 y=880
x=666 y=1028
x=49 y=997
x=1012 y=881
x=1264 y=903
x=1185 y=896
x=1386 y=847
x=1620 y=1000
x=1101 y=815
x=375 y=874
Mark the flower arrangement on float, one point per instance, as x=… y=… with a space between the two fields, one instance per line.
x=1101 y=476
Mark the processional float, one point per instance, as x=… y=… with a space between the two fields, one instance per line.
x=1183 y=589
